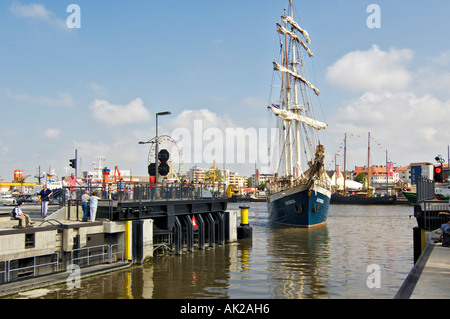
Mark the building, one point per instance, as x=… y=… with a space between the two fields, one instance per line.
x=196 y=175
x=259 y=178
x=378 y=175
x=423 y=169
x=235 y=180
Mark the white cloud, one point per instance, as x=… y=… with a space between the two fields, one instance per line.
x=372 y=69
x=405 y=110
x=133 y=112
x=411 y=127
x=63 y=99
x=37 y=12
x=97 y=88
x=52 y=133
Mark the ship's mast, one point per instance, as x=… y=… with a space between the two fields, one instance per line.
x=295 y=104
x=368 y=162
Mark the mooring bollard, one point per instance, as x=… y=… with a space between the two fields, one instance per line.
x=244 y=230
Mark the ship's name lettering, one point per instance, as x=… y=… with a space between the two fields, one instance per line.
x=289 y=202
x=319 y=200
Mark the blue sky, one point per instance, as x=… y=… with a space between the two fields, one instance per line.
x=97 y=88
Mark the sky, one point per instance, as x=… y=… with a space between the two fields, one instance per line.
x=91 y=78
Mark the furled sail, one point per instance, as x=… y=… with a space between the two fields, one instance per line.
x=283 y=30
x=281 y=68
x=289 y=116
x=295 y=25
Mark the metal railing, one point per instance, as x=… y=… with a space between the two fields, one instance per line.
x=429 y=212
x=425 y=189
x=105 y=257
x=4 y=272
x=433 y=214
x=137 y=192
x=100 y=254
x=89 y=254
x=35 y=266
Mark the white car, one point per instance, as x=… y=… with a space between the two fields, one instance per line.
x=7 y=200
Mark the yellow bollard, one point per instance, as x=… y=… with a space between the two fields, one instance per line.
x=244 y=215
x=244 y=230
x=128 y=230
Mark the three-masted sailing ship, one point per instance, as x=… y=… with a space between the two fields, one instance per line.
x=297 y=196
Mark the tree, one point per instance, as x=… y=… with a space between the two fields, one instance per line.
x=361 y=178
x=211 y=177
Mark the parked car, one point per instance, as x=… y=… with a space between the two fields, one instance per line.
x=7 y=200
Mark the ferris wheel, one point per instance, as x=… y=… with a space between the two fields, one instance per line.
x=174 y=154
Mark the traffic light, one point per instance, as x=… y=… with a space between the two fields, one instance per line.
x=163 y=157
x=438 y=174
x=73 y=163
x=152 y=169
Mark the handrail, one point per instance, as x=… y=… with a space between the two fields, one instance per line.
x=34 y=266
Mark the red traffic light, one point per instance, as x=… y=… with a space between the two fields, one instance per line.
x=437 y=170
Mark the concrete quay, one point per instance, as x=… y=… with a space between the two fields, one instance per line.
x=45 y=253
x=430 y=276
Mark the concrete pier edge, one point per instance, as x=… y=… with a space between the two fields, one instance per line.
x=411 y=280
x=21 y=286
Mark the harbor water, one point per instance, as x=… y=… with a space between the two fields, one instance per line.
x=362 y=252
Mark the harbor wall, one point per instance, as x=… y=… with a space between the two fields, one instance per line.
x=58 y=241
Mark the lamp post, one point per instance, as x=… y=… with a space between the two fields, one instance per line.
x=156 y=144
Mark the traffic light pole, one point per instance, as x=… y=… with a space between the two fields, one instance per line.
x=156 y=153
x=76 y=164
x=157 y=146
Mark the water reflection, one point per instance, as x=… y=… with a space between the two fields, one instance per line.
x=300 y=262
x=278 y=262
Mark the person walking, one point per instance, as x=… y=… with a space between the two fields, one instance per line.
x=93 y=206
x=45 y=199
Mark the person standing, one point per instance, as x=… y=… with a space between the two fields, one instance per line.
x=65 y=183
x=45 y=199
x=72 y=182
x=93 y=206
x=85 y=205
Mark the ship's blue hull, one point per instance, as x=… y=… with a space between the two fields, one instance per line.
x=299 y=207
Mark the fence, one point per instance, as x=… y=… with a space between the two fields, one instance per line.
x=100 y=254
x=83 y=257
x=138 y=192
x=429 y=212
x=3 y=271
x=35 y=265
